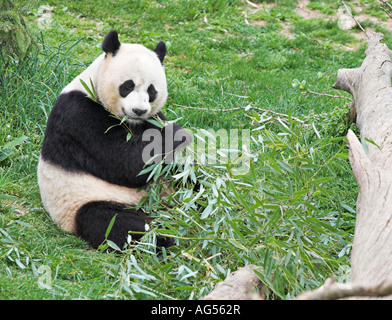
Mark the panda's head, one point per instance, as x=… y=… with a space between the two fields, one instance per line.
x=131 y=80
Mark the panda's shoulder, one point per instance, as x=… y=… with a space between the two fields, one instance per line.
x=75 y=112
x=76 y=104
x=74 y=98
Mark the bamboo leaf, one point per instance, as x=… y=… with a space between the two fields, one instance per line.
x=91 y=92
x=112 y=245
x=110 y=226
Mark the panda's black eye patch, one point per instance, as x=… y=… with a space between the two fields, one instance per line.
x=152 y=93
x=126 y=88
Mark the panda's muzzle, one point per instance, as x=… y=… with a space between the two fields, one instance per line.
x=136 y=114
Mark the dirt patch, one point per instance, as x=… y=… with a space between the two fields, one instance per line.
x=258 y=6
x=286 y=30
x=303 y=11
x=15 y=206
x=342 y=18
x=253 y=8
x=260 y=23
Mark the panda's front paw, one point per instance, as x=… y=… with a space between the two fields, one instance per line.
x=179 y=136
x=165 y=242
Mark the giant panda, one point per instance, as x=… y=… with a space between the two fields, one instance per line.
x=88 y=169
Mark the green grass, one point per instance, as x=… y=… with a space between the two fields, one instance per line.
x=291 y=214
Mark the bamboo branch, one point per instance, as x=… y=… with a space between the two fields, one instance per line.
x=325 y=94
x=248 y=107
x=356 y=21
x=389 y=7
x=332 y=290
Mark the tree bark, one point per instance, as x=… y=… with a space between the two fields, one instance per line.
x=370 y=85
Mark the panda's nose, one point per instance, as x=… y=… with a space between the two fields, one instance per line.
x=139 y=112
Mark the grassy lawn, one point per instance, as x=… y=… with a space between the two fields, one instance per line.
x=230 y=65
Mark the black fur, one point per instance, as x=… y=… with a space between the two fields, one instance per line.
x=93 y=219
x=110 y=43
x=77 y=139
x=160 y=50
x=152 y=93
x=126 y=88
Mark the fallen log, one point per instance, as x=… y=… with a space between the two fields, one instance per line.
x=242 y=284
x=371 y=162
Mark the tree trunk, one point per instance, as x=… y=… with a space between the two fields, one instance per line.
x=370 y=85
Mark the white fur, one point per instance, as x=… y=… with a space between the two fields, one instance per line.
x=86 y=75
x=63 y=193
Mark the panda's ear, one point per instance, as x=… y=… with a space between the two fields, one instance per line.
x=111 y=43
x=160 y=50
